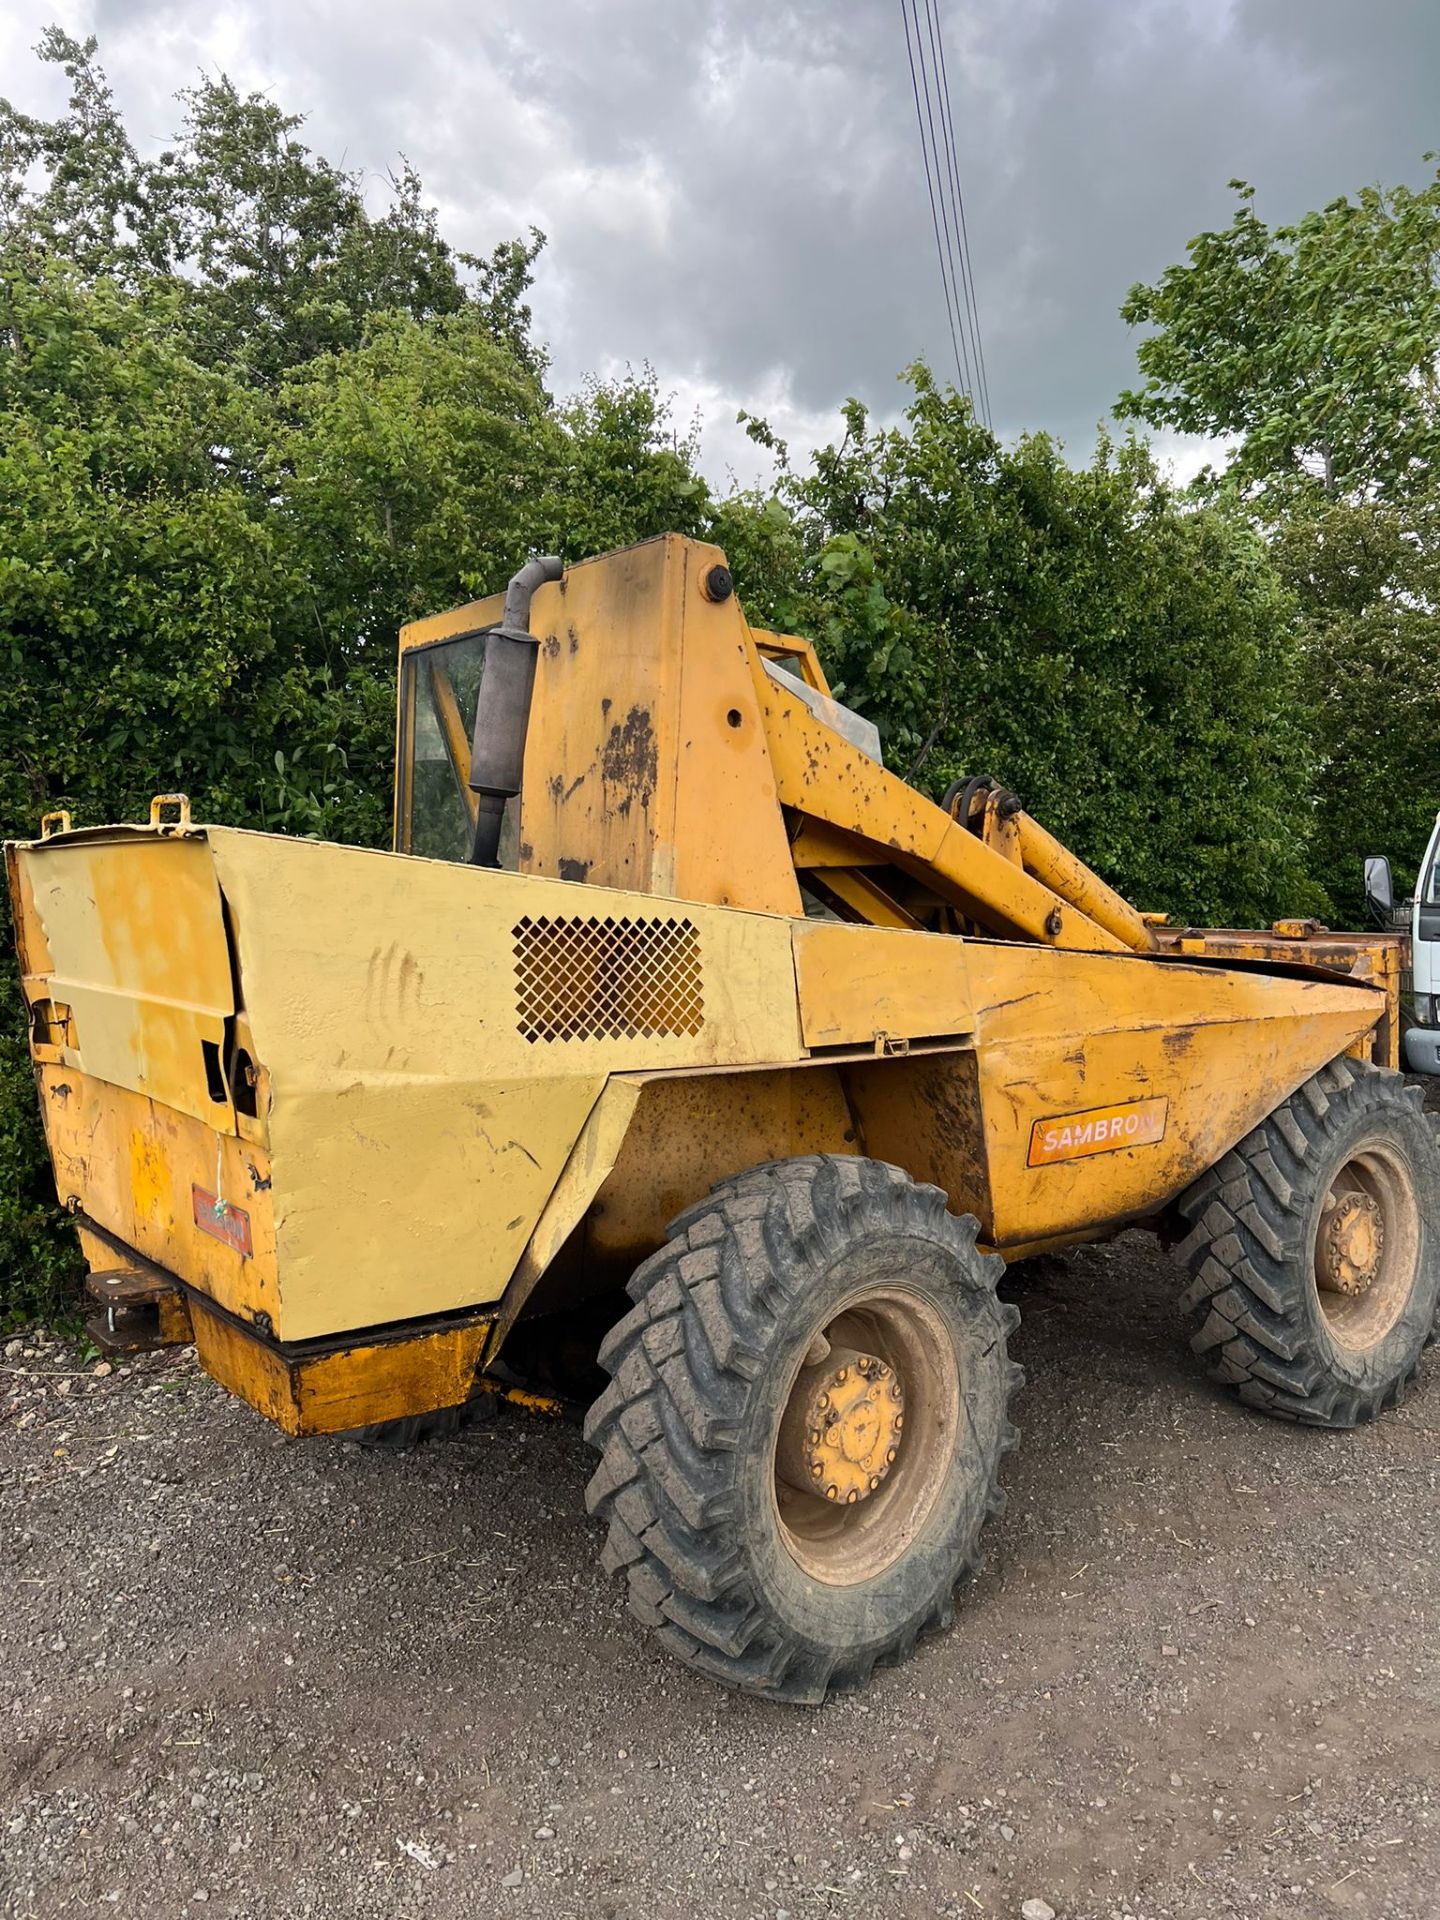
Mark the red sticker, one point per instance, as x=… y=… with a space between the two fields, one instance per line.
x=227 y=1224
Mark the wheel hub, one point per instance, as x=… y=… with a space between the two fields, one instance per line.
x=843 y=1428
x=1351 y=1243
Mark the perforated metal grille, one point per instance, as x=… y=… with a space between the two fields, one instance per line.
x=612 y=979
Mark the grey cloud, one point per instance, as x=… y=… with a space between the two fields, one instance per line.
x=733 y=192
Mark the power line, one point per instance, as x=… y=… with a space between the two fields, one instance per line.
x=930 y=189
x=947 y=206
x=964 y=233
x=949 y=217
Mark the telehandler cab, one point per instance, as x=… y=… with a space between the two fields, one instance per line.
x=668 y=978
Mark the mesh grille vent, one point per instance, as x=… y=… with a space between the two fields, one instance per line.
x=613 y=979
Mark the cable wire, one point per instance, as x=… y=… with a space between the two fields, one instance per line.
x=930 y=189
x=948 y=224
x=974 y=306
x=947 y=205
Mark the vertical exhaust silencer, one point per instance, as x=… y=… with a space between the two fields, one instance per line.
x=502 y=711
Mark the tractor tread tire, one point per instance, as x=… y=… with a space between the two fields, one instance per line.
x=1250 y=1263
x=682 y=1363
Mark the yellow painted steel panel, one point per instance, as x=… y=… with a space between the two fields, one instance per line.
x=690 y=1130
x=645 y=731
x=416 y=1133
x=857 y=982
x=1068 y=1034
x=135 y=941
x=1063 y=1034
x=133 y=1165
x=335 y=1392
x=590 y=1162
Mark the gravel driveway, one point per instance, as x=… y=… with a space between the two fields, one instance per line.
x=250 y=1676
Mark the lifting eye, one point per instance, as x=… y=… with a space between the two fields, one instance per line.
x=245 y=1081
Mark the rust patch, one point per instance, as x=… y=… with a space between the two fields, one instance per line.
x=631 y=757
x=1178 y=1043
x=552 y=646
x=574 y=869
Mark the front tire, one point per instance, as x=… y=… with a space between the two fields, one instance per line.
x=804 y=1426
x=1313 y=1250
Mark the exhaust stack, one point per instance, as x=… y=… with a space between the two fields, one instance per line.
x=502 y=712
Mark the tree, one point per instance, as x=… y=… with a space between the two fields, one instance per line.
x=1316 y=344
x=247 y=429
x=1366 y=576
x=274 y=249
x=73 y=188
x=1124 y=661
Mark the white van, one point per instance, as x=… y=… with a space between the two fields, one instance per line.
x=1420 y=997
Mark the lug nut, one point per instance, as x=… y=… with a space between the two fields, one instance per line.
x=890 y=1456
x=874 y=1481
x=816 y=1471
x=831 y=1492
x=851 y=1497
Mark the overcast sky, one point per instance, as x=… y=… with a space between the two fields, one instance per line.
x=734 y=193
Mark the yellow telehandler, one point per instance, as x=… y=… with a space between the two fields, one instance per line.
x=669 y=980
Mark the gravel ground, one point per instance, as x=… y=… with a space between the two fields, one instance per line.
x=246 y=1676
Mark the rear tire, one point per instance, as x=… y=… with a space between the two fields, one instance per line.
x=804 y=1425
x=1313 y=1250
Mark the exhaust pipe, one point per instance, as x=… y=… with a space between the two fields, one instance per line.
x=502 y=711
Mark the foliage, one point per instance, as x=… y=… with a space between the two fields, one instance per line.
x=246 y=430
x=1314 y=343
x=1318 y=345
x=1126 y=664
x=1366 y=575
